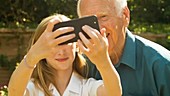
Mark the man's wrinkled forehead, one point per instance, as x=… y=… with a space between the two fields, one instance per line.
x=87 y=5
x=92 y=2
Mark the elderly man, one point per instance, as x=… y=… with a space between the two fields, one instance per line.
x=143 y=66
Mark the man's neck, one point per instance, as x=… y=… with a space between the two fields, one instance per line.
x=115 y=57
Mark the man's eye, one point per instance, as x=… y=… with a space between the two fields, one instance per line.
x=104 y=17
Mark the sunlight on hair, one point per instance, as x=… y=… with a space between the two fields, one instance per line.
x=120 y=4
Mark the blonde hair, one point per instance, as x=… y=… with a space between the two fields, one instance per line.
x=119 y=5
x=43 y=73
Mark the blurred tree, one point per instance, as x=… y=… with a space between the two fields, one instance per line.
x=150 y=11
x=18 y=13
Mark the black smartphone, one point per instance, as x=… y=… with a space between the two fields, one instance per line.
x=77 y=24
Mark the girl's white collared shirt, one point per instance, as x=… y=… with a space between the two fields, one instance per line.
x=78 y=86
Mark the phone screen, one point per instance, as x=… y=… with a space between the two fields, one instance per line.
x=77 y=24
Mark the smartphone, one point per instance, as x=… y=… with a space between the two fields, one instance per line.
x=77 y=24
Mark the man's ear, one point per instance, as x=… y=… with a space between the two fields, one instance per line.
x=126 y=16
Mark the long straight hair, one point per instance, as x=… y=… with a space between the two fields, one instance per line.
x=43 y=73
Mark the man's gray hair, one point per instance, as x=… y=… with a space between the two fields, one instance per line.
x=119 y=5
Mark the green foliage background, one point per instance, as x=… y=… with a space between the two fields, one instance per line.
x=150 y=16
x=146 y=15
x=151 y=11
x=28 y=13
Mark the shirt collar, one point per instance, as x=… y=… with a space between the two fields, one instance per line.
x=75 y=83
x=128 y=57
x=73 y=86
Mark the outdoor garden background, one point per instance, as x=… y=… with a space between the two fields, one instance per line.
x=19 y=18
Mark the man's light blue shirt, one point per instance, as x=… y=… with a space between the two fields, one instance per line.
x=144 y=68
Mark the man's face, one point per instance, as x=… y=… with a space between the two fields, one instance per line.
x=107 y=17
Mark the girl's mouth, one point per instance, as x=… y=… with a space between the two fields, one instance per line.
x=62 y=59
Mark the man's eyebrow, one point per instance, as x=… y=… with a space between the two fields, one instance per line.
x=99 y=15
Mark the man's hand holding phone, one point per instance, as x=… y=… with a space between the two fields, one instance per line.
x=96 y=48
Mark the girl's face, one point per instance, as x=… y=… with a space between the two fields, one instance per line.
x=64 y=57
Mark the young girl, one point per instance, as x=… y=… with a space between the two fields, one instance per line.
x=50 y=69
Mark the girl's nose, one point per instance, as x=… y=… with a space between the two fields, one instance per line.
x=61 y=52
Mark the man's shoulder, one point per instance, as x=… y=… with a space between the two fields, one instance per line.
x=151 y=49
x=148 y=44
